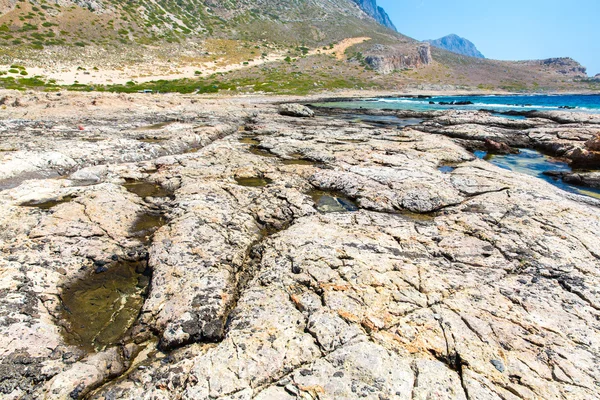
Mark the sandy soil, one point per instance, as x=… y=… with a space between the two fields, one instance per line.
x=152 y=71
x=141 y=72
x=339 y=49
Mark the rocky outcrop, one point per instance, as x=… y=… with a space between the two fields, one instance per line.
x=472 y=283
x=456 y=44
x=565 y=66
x=296 y=110
x=581 y=178
x=387 y=59
x=569 y=135
x=378 y=13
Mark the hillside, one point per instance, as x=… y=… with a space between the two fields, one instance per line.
x=456 y=44
x=243 y=46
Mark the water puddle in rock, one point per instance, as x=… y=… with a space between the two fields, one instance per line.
x=101 y=308
x=331 y=201
x=145 y=225
x=145 y=189
x=253 y=182
x=249 y=140
x=534 y=163
x=446 y=169
x=298 y=161
x=46 y=205
x=153 y=127
x=261 y=152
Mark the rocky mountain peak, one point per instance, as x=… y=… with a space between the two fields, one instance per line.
x=457 y=44
x=378 y=13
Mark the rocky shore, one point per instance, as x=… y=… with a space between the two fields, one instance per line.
x=175 y=247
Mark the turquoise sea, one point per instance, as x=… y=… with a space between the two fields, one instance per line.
x=500 y=103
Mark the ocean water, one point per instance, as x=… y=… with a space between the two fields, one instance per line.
x=499 y=103
x=534 y=163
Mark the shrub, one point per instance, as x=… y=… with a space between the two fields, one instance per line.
x=28 y=27
x=13 y=71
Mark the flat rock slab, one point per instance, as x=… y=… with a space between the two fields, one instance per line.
x=464 y=282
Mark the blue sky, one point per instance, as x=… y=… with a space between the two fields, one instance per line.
x=508 y=29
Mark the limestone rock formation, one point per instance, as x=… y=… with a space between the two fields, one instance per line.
x=468 y=283
x=387 y=59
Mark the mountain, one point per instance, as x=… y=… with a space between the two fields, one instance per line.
x=378 y=13
x=456 y=44
x=243 y=46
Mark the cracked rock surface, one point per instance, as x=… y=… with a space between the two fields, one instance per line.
x=474 y=283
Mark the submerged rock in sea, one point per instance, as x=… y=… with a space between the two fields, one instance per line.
x=407 y=281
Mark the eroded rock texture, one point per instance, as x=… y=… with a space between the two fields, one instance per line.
x=473 y=283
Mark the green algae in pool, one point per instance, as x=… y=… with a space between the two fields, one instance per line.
x=330 y=201
x=145 y=225
x=261 y=152
x=253 y=182
x=145 y=188
x=102 y=307
x=46 y=205
x=298 y=161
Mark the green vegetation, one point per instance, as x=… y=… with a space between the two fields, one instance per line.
x=273 y=81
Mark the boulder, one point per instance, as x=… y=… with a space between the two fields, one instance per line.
x=594 y=144
x=498 y=147
x=296 y=110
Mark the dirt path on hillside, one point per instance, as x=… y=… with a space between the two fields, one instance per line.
x=339 y=49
